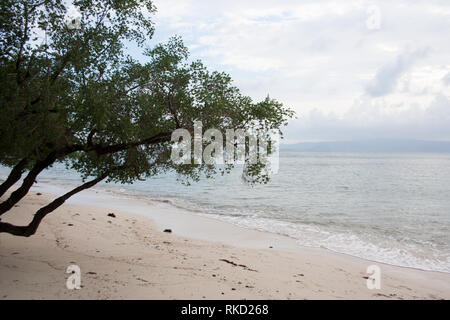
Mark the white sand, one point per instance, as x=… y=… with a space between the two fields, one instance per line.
x=129 y=257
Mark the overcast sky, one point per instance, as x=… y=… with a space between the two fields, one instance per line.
x=351 y=69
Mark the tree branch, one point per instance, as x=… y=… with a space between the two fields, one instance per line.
x=39 y=166
x=30 y=229
x=102 y=149
x=14 y=176
x=21 y=192
x=173 y=112
x=22 y=43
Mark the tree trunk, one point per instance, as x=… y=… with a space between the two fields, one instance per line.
x=21 y=192
x=30 y=229
x=39 y=166
x=14 y=176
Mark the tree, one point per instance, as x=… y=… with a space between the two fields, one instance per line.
x=73 y=95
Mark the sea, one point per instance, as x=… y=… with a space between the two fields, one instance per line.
x=387 y=207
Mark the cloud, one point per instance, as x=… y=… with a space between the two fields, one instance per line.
x=446 y=79
x=368 y=119
x=387 y=76
x=321 y=55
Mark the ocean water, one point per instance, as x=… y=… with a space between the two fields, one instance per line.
x=391 y=208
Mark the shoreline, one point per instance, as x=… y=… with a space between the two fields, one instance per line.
x=194 y=225
x=331 y=275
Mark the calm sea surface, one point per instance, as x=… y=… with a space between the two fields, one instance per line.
x=392 y=208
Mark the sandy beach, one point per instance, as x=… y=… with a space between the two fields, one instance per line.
x=129 y=256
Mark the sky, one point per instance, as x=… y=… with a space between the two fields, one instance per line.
x=351 y=70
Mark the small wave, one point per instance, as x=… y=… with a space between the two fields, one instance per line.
x=405 y=249
x=346 y=243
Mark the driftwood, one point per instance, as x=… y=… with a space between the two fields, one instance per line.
x=237 y=265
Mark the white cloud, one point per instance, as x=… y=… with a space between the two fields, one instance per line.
x=386 y=77
x=320 y=55
x=446 y=79
x=369 y=119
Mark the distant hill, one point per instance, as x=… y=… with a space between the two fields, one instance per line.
x=370 y=146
